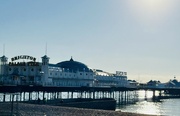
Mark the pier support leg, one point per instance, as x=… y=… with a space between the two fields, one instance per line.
x=81 y=94
x=125 y=97
x=4 y=97
x=93 y=94
x=48 y=96
x=72 y=95
x=29 y=96
x=12 y=105
x=68 y=94
x=61 y=95
x=38 y=94
x=154 y=94
x=113 y=95
x=89 y=94
x=145 y=94
x=84 y=94
x=122 y=97
x=160 y=93
x=24 y=96
x=20 y=96
x=43 y=94
x=10 y=98
x=119 y=99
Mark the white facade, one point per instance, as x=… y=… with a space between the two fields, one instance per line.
x=109 y=79
x=67 y=78
x=43 y=73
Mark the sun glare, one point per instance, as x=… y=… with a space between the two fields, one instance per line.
x=149 y=11
x=154 y=5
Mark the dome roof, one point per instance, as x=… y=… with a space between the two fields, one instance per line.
x=73 y=66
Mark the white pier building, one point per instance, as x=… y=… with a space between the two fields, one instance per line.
x=24 y=70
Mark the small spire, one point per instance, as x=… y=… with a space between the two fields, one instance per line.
x=71 y=59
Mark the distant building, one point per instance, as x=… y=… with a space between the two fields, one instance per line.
x=173 y=83
x=133 y=83
x=155 y=84
x=25 y=70
x=152 y=83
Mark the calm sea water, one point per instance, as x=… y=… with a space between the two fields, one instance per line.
x=168 y=107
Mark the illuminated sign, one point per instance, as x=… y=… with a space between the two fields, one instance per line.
x=23 y=57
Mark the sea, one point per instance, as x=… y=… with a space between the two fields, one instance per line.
x=167 y=107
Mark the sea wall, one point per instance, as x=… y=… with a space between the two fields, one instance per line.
x=98 y=104
x=103 y=104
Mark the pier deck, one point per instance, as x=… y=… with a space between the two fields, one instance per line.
x=31 y=88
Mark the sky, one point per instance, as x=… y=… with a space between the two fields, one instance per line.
x=140 y=37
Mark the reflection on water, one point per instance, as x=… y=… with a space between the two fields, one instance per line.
x=144 y=107
x=168 y=107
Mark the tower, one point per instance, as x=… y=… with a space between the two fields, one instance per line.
x=3 y=67
x=45 y=71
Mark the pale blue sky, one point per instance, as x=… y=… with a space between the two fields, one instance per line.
x=141 y=37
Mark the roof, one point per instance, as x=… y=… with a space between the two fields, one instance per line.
x=73 y=66
x=52 y=65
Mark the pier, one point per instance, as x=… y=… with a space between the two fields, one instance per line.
x=123 y=95
x=14 y=96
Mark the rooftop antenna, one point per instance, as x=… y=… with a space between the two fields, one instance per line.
x=46 y=49
x=3 y=49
